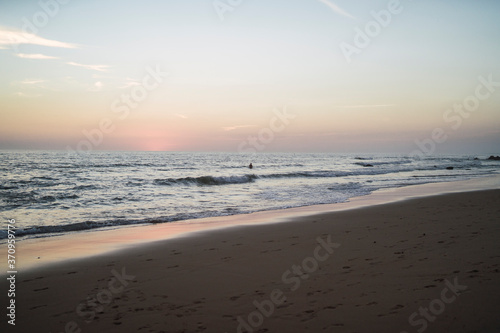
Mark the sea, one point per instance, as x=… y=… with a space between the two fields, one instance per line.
x=50 y=193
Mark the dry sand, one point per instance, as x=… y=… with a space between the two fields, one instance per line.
x=434 y=261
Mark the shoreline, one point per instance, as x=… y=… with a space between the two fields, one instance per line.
x=353 y=270
x=39 y=252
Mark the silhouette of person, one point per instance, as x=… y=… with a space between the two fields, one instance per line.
x=250 y=166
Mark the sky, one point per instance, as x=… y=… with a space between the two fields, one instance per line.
x=251 y=75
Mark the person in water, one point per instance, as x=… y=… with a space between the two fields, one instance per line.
x=250 y=166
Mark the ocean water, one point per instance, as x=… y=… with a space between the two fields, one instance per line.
x=49 y=193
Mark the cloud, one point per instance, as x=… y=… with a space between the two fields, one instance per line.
x=129 y=83
x=15 y=37
x=31 y=81
x=365 y=106
x=35 y=56
x=101 y=68
x=232 y=128
x=21 y=94
x=180 y=115
x=337 y=9
x=97 y=86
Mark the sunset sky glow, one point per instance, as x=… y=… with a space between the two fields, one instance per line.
x=75 y=67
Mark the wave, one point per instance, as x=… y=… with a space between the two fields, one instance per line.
x=85 y=187
x=35 y=182
x=78 y=166
x=364 y=164
x=346 y=186
x=135 y=183
x=52 y=229
x=40 y=231
x=207 y=180
x=250 y=178
x=23 y=198
x=330 y=173
x=8 y=187
x=43 y=178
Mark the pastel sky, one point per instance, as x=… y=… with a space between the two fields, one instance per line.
x=65 y=67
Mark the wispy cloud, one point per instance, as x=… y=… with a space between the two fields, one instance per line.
x=130 y=83
x=35 y=56
x=364 y=106
x=25 y=95
x=337 y=9
x=14 y=37
x=101 y=68
x=97 y=86
x=31 y=81
x=232 y=128
x=180 y=115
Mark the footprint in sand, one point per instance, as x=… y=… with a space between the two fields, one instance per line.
x=38 y=306
x=37 y=278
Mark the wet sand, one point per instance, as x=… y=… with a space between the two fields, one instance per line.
x=428 y=264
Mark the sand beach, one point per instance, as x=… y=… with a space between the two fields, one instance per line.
x=424 y=264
